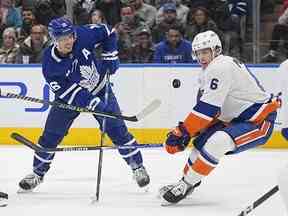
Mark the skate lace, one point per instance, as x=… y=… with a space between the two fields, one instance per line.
x=140 y=173
x=33 y=179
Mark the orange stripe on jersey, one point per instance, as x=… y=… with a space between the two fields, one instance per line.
x=265 y=110
x=253 y=135
x=195 y=122
x=201 y=167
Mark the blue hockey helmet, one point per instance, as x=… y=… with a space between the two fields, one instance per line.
x=60 y=27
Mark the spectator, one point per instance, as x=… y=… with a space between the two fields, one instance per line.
x=111 y=10
x=181 y=12
x=10 y=47
x=81 y=11
x=145 y=11
x=46 y=10
x=97 y=17
x=24 y=3
x=198 y=3
x=174 y=49
x=280 y=31
x=28 y=21
x=143 y=48
x=229 y=16
x=31 y=49
x=127 y=29
x=169 y=19
x=198 y=20
x=9 y=16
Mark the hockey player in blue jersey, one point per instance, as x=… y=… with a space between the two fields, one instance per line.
x=77 y=78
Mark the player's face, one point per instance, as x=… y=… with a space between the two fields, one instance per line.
x=204 y=57
x=65 y=44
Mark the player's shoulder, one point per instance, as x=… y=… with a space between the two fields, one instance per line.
x=223 y=60
x=220 y=64
x=51 y=64
x=49 y=55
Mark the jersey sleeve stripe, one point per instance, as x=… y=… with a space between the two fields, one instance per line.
x=195 y=122
x=74 y=95
x=107 y=29
x=110 y=54
x=68 y=91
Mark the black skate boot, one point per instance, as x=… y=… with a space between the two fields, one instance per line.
x=3 y=199
x=141 y=176
x=176 y=192
x=30 y=182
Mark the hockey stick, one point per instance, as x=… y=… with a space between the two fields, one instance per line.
x=103 y=132
x=37 y=148
x=146 y=111
x=259 y=201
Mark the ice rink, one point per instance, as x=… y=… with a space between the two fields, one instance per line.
x=67 y=189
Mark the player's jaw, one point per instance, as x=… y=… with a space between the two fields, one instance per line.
x=204 y=57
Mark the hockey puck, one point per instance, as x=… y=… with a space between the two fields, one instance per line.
x=176 y=83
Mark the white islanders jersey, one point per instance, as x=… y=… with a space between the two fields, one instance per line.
x=227 y=83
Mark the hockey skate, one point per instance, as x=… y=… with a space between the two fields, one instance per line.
x=172 y=194
x=3 y=199
x=141 y=176
x=29 y=183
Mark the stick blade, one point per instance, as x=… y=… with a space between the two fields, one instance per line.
x=149 y=109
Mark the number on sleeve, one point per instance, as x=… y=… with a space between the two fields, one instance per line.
x=54 y=86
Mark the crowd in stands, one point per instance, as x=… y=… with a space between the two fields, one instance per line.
x=149 y=31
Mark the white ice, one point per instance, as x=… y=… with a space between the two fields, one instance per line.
x=68 y=187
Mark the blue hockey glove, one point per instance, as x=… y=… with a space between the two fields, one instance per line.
x=177 y=139
x=110 y=62
x=284 y=133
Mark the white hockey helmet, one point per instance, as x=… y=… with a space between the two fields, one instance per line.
x=207 y=39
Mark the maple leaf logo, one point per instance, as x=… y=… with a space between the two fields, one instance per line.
x=90 y=76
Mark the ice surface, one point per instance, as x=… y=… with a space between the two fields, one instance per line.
x=68 y=187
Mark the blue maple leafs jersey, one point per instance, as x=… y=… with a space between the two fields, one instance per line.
x=76 y=79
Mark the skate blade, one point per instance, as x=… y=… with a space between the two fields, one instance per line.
x=94 y=200
x=3 y=202
x=22 y=191
x=165 y=203
x=144 y=189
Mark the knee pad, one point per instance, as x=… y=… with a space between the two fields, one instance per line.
x=218 y=144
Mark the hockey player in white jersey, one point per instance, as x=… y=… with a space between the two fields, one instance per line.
x=233 y=113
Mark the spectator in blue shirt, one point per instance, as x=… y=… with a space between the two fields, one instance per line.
x=174 y=49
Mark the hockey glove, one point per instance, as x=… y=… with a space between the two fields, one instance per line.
x=284 y=133
x=110 y=62
x=177 y=139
